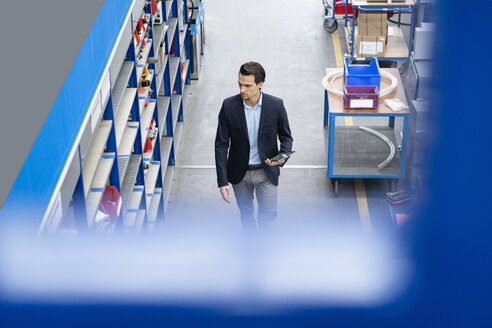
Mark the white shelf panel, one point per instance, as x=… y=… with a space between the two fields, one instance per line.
x=173 y=68
x=168 y=8
x=129 y=179
x=182 y=36
x=98 y=185
x=122 y=83
x=94 y=153
x=102 y=171
x=163 y=107
x=121 y=117
x=166 y=144
x=128 y=139
x=160 y=74
x=175 y=107
x=168 y=181
x=159 y=31
x=130 y=215
x=139 y=71
x=146 y=119
x=138 y=10
x=126 y=147
x=122 y=166
x=151 y=179
x=173 y=22
x=180 y=8
x=139 y=221
x=186 y=95
x=154 y=205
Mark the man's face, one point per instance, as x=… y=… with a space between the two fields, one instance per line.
x=248 y=88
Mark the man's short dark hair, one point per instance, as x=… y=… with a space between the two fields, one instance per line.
x=253 y=68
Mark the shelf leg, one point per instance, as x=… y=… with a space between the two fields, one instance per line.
x=352 y=54
x=331 y=144
x=391 y=122
x=325 y=120
x=410 y=43
x=403 y=153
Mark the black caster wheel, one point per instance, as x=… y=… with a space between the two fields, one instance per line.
x=330 y=25
x=336 y=186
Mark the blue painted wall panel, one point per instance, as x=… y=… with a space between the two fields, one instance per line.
x=32 y=191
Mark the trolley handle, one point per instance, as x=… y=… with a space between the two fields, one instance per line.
x=329 y=3
x=363 y=8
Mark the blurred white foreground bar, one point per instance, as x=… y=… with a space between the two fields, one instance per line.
x=218 y=270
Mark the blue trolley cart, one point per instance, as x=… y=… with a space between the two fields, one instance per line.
x=353 y=152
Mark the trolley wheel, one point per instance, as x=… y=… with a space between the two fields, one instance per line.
x=336 y=186
x=330 y=25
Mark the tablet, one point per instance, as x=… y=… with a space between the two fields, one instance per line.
x=280 y=156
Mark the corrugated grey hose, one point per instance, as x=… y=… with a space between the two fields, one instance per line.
x=385 y=139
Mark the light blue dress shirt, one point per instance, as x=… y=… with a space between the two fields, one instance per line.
x=253 y=123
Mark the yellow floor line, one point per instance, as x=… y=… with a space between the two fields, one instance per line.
x=338 y=49
x=365 y=218
x=360 y=191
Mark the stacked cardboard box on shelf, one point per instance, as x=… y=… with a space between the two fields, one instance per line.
x=372 y=33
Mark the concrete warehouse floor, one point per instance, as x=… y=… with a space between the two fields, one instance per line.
x=288 y=39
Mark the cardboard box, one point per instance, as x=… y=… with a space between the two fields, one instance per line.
x=371 y=46
x=373 y=23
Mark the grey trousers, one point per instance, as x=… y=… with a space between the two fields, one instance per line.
x=256 y=181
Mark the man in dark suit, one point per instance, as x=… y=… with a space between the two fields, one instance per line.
x=247 y=131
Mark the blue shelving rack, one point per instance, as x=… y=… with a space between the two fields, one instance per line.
x=115 y=130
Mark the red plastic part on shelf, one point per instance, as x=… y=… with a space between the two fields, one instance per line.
x=140 y=25
x=171 y=51
x=154 y=7
x=340 y=9
x=137 y=37
x=148 y=145
x=111 y=202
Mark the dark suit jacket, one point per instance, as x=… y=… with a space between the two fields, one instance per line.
x=232 y=143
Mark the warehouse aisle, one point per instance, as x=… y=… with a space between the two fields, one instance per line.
x=288 y=39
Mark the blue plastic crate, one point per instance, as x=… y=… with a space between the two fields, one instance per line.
x=362 y=74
